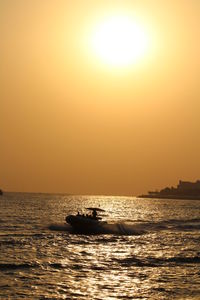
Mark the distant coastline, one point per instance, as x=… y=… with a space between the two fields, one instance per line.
x=185 y=190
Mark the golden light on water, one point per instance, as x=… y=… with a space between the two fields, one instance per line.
x=120 y=41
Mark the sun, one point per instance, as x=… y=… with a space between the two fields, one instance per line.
x=120 y=41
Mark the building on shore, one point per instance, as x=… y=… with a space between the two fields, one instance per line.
x=184 y=190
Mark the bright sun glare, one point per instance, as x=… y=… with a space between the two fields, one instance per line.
x=119 y=41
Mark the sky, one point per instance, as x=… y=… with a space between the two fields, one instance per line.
x=72 y=121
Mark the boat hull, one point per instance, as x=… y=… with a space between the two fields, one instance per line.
x=86 y=225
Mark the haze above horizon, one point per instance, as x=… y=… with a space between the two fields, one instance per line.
x=99 y=97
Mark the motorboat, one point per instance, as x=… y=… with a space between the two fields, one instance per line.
x=86 y=223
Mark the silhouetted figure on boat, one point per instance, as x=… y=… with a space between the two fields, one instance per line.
x=89 y=223
x=94 y=214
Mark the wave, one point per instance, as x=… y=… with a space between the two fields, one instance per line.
x=158 y=262
x=60 y=227
x=123 y=228
x=178 y=225
x=169 y=225
x=12 y=234
x=104 y=228
x=22 y=266
x=11 y=266
x=19 y=239
x=125 y=262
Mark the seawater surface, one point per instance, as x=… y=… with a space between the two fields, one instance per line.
x=149 y=250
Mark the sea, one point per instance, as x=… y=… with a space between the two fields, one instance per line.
x=148 y=249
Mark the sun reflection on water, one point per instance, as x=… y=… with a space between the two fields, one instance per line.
x=158 y=262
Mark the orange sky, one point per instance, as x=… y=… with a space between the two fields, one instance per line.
x=70 y=123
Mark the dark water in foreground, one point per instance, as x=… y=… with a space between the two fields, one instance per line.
x=151 y=250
